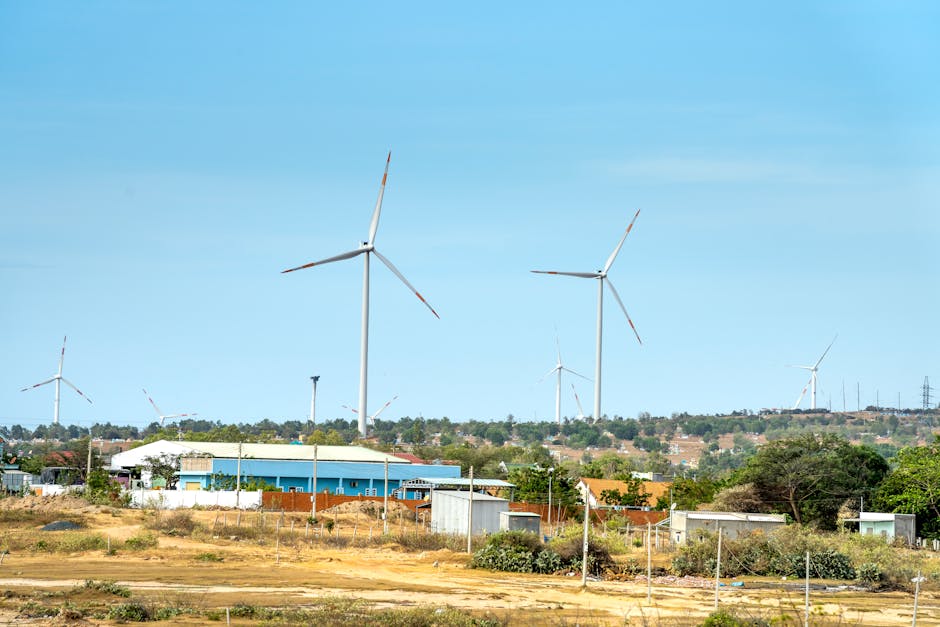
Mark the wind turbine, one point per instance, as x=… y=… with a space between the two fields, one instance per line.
x=601 y=276
x=366 y=249
x=376 y=414
x=163 y=416
x=57 y=377
x=557 y=371
x=812 y=377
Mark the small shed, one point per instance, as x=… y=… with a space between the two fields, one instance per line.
x=683 y=524
x=520 y=521
x=450 y=511
x=888 y=526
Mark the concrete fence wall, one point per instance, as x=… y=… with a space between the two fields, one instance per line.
x=175 y=499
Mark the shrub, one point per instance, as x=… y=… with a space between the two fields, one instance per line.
x=870 y=572
x=141 y=541
x=208 y=557
x=108 y=587
x=133 y=612
x=174 y=523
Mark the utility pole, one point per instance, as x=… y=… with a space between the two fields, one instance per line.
x=551 y=472
x=313 y=401
x=584 y=548
x=313 y=485
x=470 y=516
x=238 y=477
x=385 y=502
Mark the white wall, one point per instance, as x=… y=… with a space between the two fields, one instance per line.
x=175 y=499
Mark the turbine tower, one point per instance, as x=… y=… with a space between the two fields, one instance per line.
x=57 y=378
x=161 y=415
x=557 y=371
x=602 y=278
x=367 y=249
x=812 y=377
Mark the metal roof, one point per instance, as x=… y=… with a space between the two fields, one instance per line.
x=776 y=518
x=437 y=482
x=292 y=452
x=465 y=495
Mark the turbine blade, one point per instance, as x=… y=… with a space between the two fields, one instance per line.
x=570 y=371
x=620 y=302
x=376 y=414
x=355 y=411
x=155 y=408
x=803 y=393
x=62 y=354
x=348 y=255
x=551 y=372
x=578 y=401
x=582 y=275
x=613 y=255
x=374 y=225
x=827 y=351
x=405 y=281
x=72 y=385
x=38 y=384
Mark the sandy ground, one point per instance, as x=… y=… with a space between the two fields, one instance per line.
x=294 y=574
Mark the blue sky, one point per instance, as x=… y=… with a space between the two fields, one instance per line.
x=160 y=163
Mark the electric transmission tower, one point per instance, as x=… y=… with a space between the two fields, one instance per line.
x=926 y=392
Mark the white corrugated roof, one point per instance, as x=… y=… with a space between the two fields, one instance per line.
x=465 y=495
x=700 y=515
x=290 y=452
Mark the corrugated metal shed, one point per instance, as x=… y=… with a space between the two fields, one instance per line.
x=450 y=511
x=520 y=521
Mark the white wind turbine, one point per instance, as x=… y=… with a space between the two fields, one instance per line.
x=557 y=371
x=601 y=276
x=366 y=249
x=812 y=377
x=58 y=378
x=376 y=414
x=163 y=416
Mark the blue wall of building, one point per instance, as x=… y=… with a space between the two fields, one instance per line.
x=349 y=478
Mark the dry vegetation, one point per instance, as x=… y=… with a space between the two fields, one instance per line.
x=190 y=567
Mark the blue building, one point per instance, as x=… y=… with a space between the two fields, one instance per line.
x=347 y=470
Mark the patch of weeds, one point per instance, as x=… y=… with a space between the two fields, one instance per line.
x=129 y=612
x=208 y=557
x=107 y=587
x=70 y=542
x=32 y=609
x=174 y=523
x=141 y=541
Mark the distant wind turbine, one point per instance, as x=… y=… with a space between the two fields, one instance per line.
x=601 y=276
x=812 y=377
x=557 y=371
x=163 y=416
x=376 y=414
x=366 y=249
x=57 y=378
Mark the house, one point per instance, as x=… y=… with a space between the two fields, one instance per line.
x=592 y=489
x=684 y=524
x=348 y=470
x=888 y=526
x=450 y=511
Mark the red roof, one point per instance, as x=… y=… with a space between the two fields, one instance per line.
x=414 y=459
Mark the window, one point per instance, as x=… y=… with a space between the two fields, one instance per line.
x=353 y=484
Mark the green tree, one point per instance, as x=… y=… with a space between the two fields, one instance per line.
x=532 y=485
x=687 y=494
x=164 y=466
x=810 y=476
x=633 y=496
x=913 y=487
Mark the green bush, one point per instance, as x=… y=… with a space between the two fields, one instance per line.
x=129 y=612
x=141 y=541
x=870 y=572
x=174 y=523
x=208 y=557
x=108 y=587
